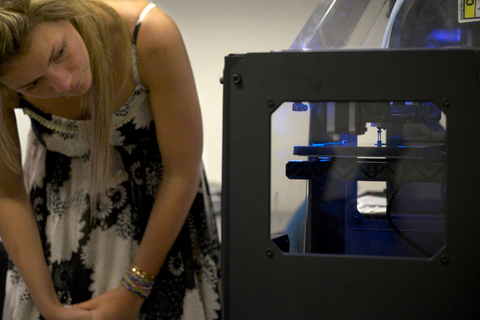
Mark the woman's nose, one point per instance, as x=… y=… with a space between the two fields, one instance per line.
x=61 y=80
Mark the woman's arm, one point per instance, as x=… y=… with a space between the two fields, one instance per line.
x=168 y=75
x=19 y=231
x=165 y=69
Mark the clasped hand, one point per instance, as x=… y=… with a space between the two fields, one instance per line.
x=116 y=304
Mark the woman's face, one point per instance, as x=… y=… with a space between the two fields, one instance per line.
x=56 y=65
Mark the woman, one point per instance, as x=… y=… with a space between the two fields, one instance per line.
x=106 y=214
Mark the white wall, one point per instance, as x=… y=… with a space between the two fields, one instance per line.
x=212 y=29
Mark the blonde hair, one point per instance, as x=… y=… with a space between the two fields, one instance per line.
x=92 y=19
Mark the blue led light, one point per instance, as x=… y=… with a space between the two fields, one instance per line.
x=329 y=144
x=444 y=37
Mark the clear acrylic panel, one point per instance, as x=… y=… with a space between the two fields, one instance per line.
x=363 y=24
x=344 y=24
x=359 y=178
x=288 y=205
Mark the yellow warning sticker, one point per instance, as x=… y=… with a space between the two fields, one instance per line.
x=468 y=10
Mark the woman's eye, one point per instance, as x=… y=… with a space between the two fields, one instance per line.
x=59 y=54
x=32 y=86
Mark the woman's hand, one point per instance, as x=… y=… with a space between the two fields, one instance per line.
x=60 y=312
x=116 y=304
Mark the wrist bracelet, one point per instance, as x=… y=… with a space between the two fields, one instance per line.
x=136 y=270
x=138 y=282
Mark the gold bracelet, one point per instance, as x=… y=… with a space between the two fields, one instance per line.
x=145 y=275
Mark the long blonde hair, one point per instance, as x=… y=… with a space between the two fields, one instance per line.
x=91 y=19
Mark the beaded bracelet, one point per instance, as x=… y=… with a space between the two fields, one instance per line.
x=138 y=282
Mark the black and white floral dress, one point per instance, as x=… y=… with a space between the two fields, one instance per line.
x=88 y=257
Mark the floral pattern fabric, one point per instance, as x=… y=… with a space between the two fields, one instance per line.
x=88 y=252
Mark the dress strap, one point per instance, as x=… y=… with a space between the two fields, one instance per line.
x=142 y=16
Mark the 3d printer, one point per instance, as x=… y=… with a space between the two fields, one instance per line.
x=349 y=187
x=407 y=172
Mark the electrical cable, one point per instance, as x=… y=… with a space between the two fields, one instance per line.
x=398 y=231
x=391 y=20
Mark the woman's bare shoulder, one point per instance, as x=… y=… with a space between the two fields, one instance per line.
x=159 y=39
x=158 y=32
x=129 y=10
